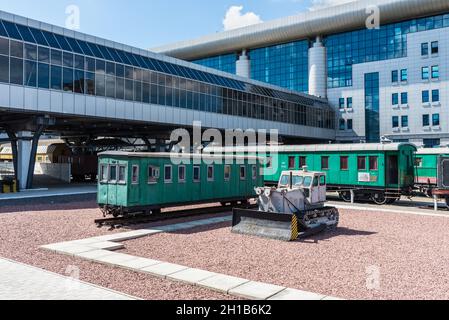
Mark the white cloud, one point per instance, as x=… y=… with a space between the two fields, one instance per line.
x=234 y=18
x=321 y=4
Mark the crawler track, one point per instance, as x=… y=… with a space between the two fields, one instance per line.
x=141 y=218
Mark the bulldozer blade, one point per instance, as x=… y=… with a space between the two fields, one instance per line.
x=263 y=224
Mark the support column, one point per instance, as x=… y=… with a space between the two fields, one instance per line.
x=13 y=140
x=243 y=65
x=24 y=142
x=317 y=69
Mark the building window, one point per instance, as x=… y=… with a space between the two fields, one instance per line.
x=112 y=174
x=395 y=99
x=395 y=122
x=394 y=76
x=404 y=98
x=373 y=163
x=342 y=124
x=361 y=163
x=404 y=121
x=425 y=96
x=350 y=125
x=404 y=75
x=291 y=162
x=435 y=72
x=210 y=173
x=227 y=172
x=196 y=173
x=431 y=143
x=324 y=163
x=168 y=170
x=435 y=95
x=349 y=103
x=344 y=163
x=424 y=49
x=153 y=174
x=425 y=73
x=436 y=119
x=135 y=174
x=434 y=47
x=341 y=103
x=242 y=173
x=425 y=120
x=302 y=162
x=181 y=174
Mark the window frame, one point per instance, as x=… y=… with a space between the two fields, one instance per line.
x=342 y=162
x=254 y=172
x=437 y=48
x=135 y=174
x=211 y=179
x=359 y=158
x=376 y=167
x=198 y=179
x=121 y=181
x=104 y=172
x=229 y=174
x=168 y=181
x=155 y=174
x=326 y=167
x=290 y=167
x=242 y=177
x=182 y=180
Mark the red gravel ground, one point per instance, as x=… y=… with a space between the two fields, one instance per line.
x=409 y=253
x=24 y=228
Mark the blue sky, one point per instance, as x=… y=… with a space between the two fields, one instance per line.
x=149 y=23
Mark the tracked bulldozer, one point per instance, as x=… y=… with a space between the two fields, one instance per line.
x=294 y=209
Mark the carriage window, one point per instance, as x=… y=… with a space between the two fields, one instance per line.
x=418 y=162
x=302 y=162
x=242 y=172
x=373 y=163
x=324 y=163
x=344 y=163
x=103 y=173
x=254 y=170
x=210 y=173
x=135 y=174
x=315 y=182
x=112 y=173
x=322 y=180
x=227 y=173
x=291 y=162
x=269 y=162
x=361 y=163
x=122 y=174
x=181 y=174
x=153 y=174
x=196 y=174
x=168 y=174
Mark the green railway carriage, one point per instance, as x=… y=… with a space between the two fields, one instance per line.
x=148 y=182
x=432 y=172
x=380 y=172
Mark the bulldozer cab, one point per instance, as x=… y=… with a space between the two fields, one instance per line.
x=313 y=184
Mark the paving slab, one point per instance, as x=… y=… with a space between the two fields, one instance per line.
x=131 y=235
x=74 y=249
x=57 y=246
x=107 y=245
x=222 y=283
x=138 y=263
x=192 y=276
x=256 y=290
x=293 y=294
x=115 y=258
x=163 y=269
x=94 y=255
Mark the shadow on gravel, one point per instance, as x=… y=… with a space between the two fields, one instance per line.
x=339 y=232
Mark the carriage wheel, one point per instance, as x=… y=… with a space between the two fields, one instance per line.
x=379 y=198
x=345 y=196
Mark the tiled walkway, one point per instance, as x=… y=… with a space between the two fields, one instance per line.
x=22 y=282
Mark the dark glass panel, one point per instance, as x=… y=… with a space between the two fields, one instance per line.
x=140 y=61
x=38 y=36
x=120 y=70
x=100 y=85
x=30 y=73
x=129 y=72
x=67 y=79
x=85 y=48
x=43 y=54
x=26 y=34
x=16 y=49
x=78 y=84
x=56 y=78
x=56 y=57
x=51 y=40
x=67 y=59
x=43 y=76
x=120 y=88
x=114 y=55
x=93 y=47
x=123 y=57
x=146 y=93
x=100 y=66
x=90 y=83
x=129 y=90
x=3 y=32
x=110 y=68
x=62 y=42
x=131 y=59
x=105 y=53
x=4 y=69
x=79 y=62
x=16 y=71
x=75 y=46
x=4 y=46
x=110 y=86
x=138 y=91
x=90 y=64
x=12 y=30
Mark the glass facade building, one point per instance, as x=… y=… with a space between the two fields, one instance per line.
x=41 y=59
x=372 y=106
x=225 y=63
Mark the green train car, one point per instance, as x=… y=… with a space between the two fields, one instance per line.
x=432 y=172
x=147 y=182
x=377 y=172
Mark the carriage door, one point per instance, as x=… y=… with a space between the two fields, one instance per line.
x=322 y=193
x=392 y=172
x=315 y=190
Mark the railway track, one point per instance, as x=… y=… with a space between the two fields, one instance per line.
x=115 y=223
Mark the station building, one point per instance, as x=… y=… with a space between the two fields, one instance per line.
x=80 y=87
x=391 y=81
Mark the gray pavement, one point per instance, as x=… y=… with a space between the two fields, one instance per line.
x=23 y=282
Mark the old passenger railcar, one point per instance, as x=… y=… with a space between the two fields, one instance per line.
x=148 y=182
